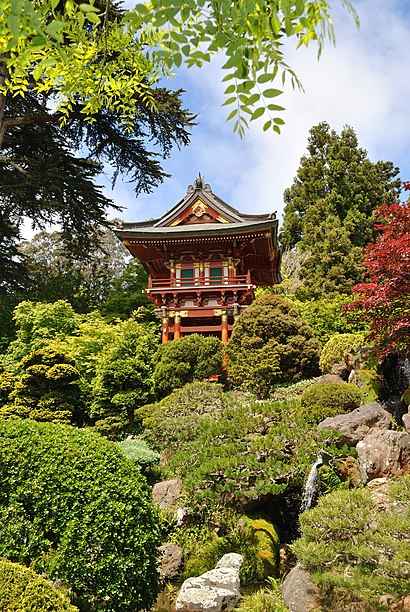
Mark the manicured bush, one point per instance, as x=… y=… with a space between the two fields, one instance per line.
x=336 y=348
x=22 y=590
x=193 y=357
x=270 y=345
x=74 y=508
x=48 y=389
x=329 y=399
x=356 y=549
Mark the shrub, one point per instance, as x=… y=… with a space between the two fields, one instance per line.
x=271 y=344
x=48 y=389
x=74 y=508
x=268 y=599
x=22 y=590
x=336 y=348
x=138 y=451
x=329 y=399
x=356 y=549
x=193 y=357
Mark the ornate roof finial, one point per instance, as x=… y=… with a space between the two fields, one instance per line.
x=198 y=183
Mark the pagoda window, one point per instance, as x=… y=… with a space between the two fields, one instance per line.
x=187 y=276
x=215 y=276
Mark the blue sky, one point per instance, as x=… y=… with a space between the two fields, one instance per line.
x=363 y=82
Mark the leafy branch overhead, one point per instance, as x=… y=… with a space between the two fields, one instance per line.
x=111 y=63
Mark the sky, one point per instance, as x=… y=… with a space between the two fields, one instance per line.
x=363 y=82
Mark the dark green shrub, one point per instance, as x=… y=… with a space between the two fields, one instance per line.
x=357 y=549
x=193 y=357
x=74 y=508
x=329 y=399
x=271 y=344
x=22 y=590
x=336 y=348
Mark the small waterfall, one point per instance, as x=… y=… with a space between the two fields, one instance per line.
x=311 y=486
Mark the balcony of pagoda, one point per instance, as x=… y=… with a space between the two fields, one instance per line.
x=241 y=281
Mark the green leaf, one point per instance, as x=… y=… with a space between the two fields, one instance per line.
x=275 y=107
x=93 y=18
x=13 y=24
x=232 y=114
x=88 y=8
x=272 y=93
x=258 y=113
x=229 y=101
x=54 y=28
x=265 y=77
x=279 y=121
x=38 y=41
x=267 y=125
x=230 y=89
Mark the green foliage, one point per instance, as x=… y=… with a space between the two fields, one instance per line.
x=233 y=451
x=124 y=375
x=268 y=543
x=337 y=347
x=293 y=391
x=176 y=419
x=271 y=344
x=22 y=590
x=38 y=324
x=329 y=399
x=48 y=389
x=329 y=209
x=356 y=549
x=74 y=508
x=193 y=357
x=326 y=318
x=267 y=599
x=138 y=451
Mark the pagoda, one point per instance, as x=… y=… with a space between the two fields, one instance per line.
x=204 y=260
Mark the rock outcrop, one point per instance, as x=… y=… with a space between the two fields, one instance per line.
x=384 y=454
x=299 y=592
x=214 y=591
x=166 y=493
x=355 y=425
x=170 y=560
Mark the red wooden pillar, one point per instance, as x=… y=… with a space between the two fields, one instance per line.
x=224 y=327
x=177 y=326
x=165 y=326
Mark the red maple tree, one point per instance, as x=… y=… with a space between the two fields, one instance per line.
x=384 y=301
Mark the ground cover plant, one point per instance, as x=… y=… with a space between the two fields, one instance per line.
x=74 y=508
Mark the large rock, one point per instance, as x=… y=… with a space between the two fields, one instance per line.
x=170 y=560
x=406 y=422
x=215 y=590
x=384 y=454
x=355 y=425
x=166 y=493
x=299 y=592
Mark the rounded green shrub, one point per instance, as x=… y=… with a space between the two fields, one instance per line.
x=336 y=348
x=329 y=399
x=271 y=344
x=22 y=590
x=74 y=508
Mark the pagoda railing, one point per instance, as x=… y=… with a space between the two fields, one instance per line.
x=209 y=281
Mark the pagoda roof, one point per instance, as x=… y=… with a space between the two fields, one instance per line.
x=224 y=219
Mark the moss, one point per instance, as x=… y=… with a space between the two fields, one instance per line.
x=268 y=543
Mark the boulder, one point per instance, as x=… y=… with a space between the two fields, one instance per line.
x=170 y=560
x=166 y=493
x=384 y=453
x=355 y=425
x=406 y=421
x=299 y=592
x=215 y=590
x=342 y=370
x=329 y=378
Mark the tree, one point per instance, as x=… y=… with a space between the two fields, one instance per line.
x=73 y=508
x=193 y=357
x=383 y=302
x=270 y=343
x=124 y=377
x=329 y=209
x=113 y=58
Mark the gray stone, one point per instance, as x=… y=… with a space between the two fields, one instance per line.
x=330 y=378
x=406 y=422
x=384 y=453
x=166 y=493
x=214 y=591
x=355 y=425
x=299 y=592
x=170 y=560
x=342 y=370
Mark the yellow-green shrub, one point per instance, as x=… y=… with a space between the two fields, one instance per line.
x=22 y=590
x=336 y=348
x=329 y=399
